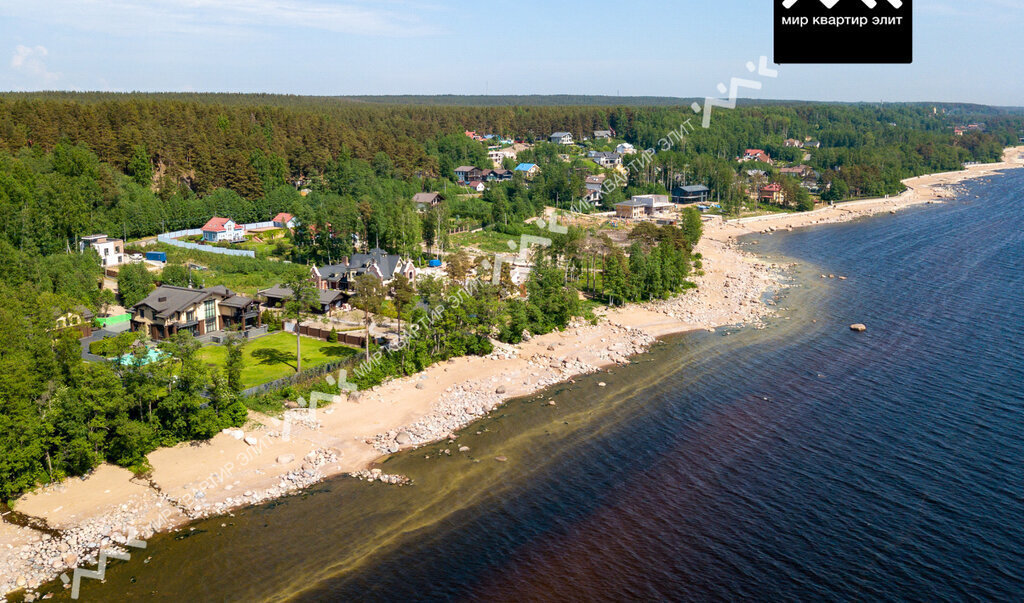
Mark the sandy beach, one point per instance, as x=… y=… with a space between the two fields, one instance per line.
x=270 y=458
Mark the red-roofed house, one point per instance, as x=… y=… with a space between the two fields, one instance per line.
x=284 y=220
x=477 y=185
x=772 y=194
x=756 y=155
x=222 y=229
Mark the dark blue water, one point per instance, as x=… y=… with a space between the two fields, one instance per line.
x=885 y=465
x=799 y=462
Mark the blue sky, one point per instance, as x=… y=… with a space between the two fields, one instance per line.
x=964 y=51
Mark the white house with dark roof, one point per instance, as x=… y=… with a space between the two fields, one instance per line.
x=605 y=158
x=562 y=138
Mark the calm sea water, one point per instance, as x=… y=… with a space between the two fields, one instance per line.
x=801 y=461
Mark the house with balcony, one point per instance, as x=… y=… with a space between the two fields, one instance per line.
x=467 y=173
x=643 y=205
x=605 y=159
x=564 y=138
x=694 y=193
x=385 y=266
x=594 y=188
x=169 y=310
x=772 y=193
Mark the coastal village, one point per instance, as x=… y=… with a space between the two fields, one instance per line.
x=297 y=280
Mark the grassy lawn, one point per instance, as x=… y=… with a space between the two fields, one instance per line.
x=242 y=275
x=493 y=242
x=272 y=357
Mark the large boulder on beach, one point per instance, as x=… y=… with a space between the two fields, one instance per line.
x=403 y=438
x=420 y=385
x=501 y=389
x=858 y=327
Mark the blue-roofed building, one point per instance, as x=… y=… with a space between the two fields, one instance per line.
x=530 y=169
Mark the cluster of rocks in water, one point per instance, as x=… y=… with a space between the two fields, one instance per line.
x=376 y=475
x=464 y=403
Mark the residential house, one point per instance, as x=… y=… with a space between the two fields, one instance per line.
x=341 y=276
x=755 y=155
x=594 y=188
x=605 y=159
x=497 y=175
x=477 y=185
x=111 y=251
x=792 y=142
x=694 y=193
x=422 y=201
x=284 y=220
x=772 y=193
x=466 y=173
x=327 y=299
x=529 y=169
x=219 y=230
x=605 y=134
x=812 y=144
x=625 y=149
x=79 y=318
x=169 y=310
x=643 y=205
x=562 y=138
x=498 y=156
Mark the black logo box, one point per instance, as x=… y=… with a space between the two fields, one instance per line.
x=849 y=32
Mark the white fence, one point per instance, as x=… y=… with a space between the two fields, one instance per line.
x=173 y=238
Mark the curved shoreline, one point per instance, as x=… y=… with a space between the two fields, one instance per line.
x=239 y=469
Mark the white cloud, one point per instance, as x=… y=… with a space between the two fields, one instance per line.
x=224 y=17
x=31 y=61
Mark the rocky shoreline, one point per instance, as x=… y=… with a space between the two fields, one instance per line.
x=468 y=401
x=47 y=556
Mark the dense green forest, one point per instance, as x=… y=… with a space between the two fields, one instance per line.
x=137 y=165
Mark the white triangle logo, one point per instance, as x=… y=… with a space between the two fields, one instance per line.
x=829 y=3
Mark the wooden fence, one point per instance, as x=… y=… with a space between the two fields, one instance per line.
x=305 y=375
x=358 y=341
